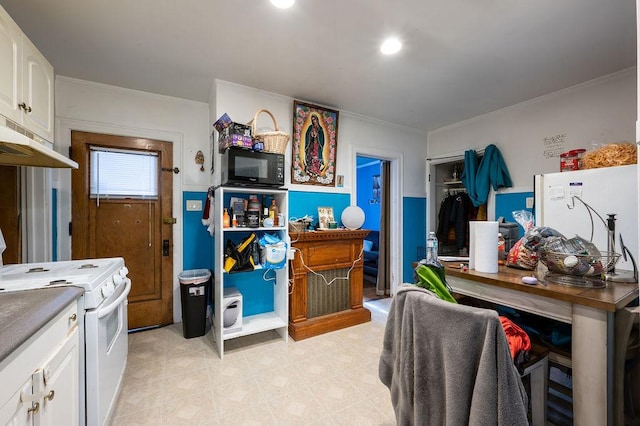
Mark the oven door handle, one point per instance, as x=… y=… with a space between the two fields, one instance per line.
x=112 y=307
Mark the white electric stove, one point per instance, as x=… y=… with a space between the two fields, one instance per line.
x=104 y=329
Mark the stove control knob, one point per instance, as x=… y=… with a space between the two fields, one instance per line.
x=111 y=287
x=105 y=291
x=124 y=271
x=117 y=280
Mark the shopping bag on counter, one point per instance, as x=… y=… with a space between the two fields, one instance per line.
x=239 y=258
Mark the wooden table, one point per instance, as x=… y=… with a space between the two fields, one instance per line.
x=321 y=256
x=591 y=313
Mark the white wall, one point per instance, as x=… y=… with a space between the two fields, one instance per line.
x=602 y=110
x=405 y=148
x=87 y=106
x=241 y=103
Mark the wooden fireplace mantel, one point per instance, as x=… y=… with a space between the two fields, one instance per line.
x=324 y=251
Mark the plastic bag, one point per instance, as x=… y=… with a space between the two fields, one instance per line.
x=520 y=256
x=524 y=253
x=273 y=252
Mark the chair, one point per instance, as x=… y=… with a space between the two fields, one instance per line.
x=538 y=371
x=449 y=363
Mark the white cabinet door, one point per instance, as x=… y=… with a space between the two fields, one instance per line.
x=10 y=67
x=15 y=412
x=37 y=91
x=26 y=81
x=60 y=387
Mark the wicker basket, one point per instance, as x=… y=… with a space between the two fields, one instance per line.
x=297 y=226
x=275 y=141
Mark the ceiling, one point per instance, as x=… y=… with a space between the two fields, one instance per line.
x=461 y=58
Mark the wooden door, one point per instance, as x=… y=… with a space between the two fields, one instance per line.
x=129 y=227
x=10 y=222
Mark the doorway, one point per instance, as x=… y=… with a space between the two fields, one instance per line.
x=122 y=207
x=372 y=196
x=10 y=218
x=368 y=199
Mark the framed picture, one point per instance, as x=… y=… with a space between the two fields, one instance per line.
x=315 y=144
x=325 y=215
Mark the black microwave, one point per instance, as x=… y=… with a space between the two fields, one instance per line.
x=243 y=167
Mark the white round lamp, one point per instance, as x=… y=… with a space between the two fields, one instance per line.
x=352 y=217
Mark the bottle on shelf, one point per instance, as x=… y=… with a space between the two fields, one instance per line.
x=253 y=212
x=226 y=220
x=501 y=249
x=432 y=247
x=234 y=221
x=273 y=212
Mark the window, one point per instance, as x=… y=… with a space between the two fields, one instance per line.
x=123 y=174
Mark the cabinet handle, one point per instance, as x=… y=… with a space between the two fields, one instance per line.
x=34 y=408
x=25 y=107
x=50 y=395
x=73 y=317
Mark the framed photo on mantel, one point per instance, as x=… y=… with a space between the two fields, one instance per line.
x=315 y=144
x=325 y=216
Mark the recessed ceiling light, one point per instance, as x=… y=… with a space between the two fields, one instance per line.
x=283 y=4
x=390 y=46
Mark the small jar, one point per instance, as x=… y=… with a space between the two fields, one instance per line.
x=570 y=160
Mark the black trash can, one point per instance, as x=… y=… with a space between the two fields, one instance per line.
x=193 y=297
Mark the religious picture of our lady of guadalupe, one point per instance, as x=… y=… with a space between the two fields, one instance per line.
x=315 y=133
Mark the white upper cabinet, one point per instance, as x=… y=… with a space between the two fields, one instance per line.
x=10 y=67
x=26 y=81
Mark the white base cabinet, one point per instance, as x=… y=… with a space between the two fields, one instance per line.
x=40 y=380
x=276 y=319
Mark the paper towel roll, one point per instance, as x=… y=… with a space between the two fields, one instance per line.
x=484 y=246
x=472 y=244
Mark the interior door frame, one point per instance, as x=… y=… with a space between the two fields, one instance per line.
x=395 y=205
x=62 y=181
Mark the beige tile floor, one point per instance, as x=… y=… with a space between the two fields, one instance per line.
x=330 y=379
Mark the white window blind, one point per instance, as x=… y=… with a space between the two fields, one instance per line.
x=120 y=173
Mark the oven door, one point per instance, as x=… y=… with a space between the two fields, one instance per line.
x=106 y=349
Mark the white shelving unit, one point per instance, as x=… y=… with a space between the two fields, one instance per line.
x=278 y=318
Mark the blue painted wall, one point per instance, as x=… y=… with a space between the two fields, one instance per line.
x=197 y=244
x=54 y=225
x=198 y=247
x=414 y=220
x=364 y=197
x=307 y=203
x=257 y=294
x=508 y=203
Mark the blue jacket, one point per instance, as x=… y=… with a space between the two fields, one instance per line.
x=491 y=171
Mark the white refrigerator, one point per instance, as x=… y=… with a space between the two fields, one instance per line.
x=609 y=190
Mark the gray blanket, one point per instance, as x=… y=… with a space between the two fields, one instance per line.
x=448 y=364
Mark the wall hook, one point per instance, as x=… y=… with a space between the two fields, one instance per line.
x=200 y=160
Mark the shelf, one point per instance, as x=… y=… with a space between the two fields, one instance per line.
x=255 y=268
x=259 y=229
x=257 y=324
x=253 y=190
x=276 y=316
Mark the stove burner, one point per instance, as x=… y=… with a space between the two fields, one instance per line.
x=56 y=282
x=88 y=266
x=38 y=269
